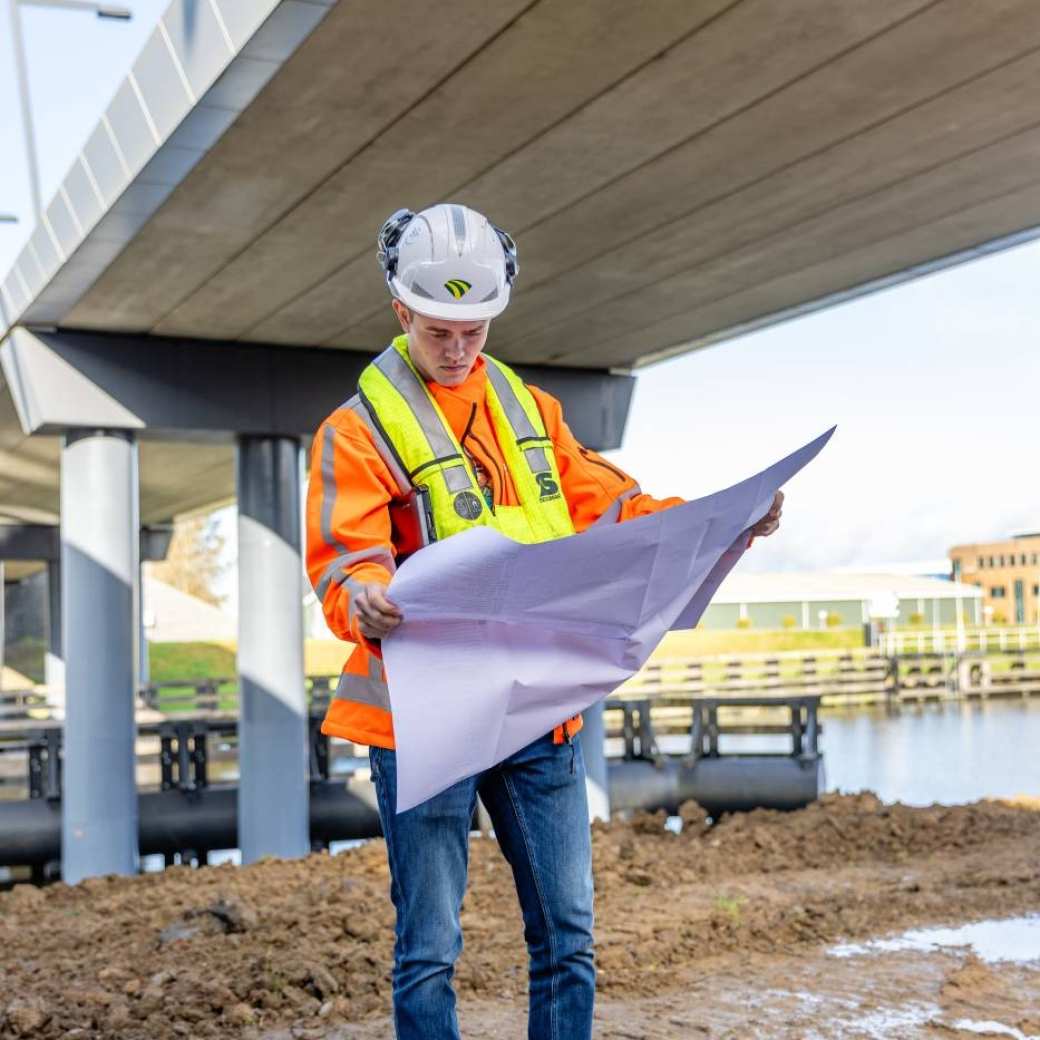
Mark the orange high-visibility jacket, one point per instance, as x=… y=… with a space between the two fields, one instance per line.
x=350 y=537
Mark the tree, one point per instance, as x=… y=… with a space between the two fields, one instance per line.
x=193 y=563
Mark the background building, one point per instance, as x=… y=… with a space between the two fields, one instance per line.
x=831 y=599
x=1007 y=572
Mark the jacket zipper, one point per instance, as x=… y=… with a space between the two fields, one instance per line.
x=468 y=432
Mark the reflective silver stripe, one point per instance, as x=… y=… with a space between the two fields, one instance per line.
x=374 y=554
x=404 y=485
x=407 y=383
x=613 y=511
x=536 y=460
x=511 y=403
x=328 y=485
x=372 y=691
x=457 y=478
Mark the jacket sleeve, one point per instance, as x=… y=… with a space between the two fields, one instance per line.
x=348 y=523
x=595 y=490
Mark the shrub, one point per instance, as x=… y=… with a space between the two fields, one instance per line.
x=744 y=622
x=789 y=621
x=833 y=620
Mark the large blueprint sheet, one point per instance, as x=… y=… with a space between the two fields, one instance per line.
x=501 y=642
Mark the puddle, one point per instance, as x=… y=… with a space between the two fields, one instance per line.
x=988 y=1028
x=1016 y=939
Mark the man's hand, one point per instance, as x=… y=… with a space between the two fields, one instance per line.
x=377 y=615
x=770 y=522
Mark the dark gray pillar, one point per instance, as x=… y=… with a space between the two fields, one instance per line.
x=272 y=731
x=593 y=747
x=99 y=548
x=54 y=659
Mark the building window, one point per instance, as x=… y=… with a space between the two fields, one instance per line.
x=1035 y=559
x=991 y=563
x=1036 y=590
x=982 y=562
x=997 y=591
x=1022 y=560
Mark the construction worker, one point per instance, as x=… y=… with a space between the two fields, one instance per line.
x=441 y=438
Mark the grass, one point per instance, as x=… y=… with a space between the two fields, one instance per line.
x=26 y=657
x=700 y=642
x=731 y=905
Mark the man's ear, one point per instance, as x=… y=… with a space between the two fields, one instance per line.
x=404 y=316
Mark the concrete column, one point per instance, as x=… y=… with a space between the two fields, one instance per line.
x=273 y=793
x=54 y=659
x=594 y=751
x=99 y=547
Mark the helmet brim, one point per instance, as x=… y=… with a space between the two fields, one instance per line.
x=450 y=311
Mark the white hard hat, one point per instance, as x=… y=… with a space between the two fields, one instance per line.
x=448 y=262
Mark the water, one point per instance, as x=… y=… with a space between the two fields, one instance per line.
x=1013 y=939
x=949 y=753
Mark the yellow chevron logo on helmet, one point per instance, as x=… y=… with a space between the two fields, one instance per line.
x=457 y=287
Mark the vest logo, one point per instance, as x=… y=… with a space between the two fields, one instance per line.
x=549 y=488
x=467 y=505
x=457 y=287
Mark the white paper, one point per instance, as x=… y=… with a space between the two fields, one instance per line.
x=501 y=642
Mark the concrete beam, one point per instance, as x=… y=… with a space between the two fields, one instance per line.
x=42 y=542
x=172 y=389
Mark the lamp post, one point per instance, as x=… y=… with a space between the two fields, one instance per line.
x=107 y=11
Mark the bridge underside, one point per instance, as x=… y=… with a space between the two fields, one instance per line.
x=671 y=174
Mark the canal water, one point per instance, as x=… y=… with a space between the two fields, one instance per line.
x=958 y=751
x=949 y=753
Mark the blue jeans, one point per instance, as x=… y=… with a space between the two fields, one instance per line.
x=537 y=804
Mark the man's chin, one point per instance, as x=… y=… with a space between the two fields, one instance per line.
x=452 y=378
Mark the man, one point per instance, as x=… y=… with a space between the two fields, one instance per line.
x=441 y=438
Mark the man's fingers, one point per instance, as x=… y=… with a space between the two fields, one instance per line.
x=378 y=599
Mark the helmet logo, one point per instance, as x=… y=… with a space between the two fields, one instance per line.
x=457 y=287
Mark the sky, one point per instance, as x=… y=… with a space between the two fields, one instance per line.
x=934 y=385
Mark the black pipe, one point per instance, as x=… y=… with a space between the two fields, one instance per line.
x=173 y=821
x=729 y=783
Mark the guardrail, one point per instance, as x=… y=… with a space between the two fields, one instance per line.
x=967 y=640
x=841 y=677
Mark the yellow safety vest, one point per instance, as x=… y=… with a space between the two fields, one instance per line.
x=428 y=452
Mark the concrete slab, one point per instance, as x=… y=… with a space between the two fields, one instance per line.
x=660 y=213
x=1002 y=168
x=505 y=90
x=837 y=278
x=924 y=137
x=341 y=90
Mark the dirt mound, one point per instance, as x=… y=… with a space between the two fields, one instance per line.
x=225 y=951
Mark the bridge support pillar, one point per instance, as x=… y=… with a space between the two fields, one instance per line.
x=273 y=794
x=99 y=549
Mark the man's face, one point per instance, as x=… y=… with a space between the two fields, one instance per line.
x=443 y=351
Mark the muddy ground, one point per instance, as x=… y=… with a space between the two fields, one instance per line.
x=719 y=931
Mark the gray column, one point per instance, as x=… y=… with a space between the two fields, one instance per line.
x=593 y=747
x=54 y=659
x=99 y=548
x=273 y=793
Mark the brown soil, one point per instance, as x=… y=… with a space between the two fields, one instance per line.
x=302 y=947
